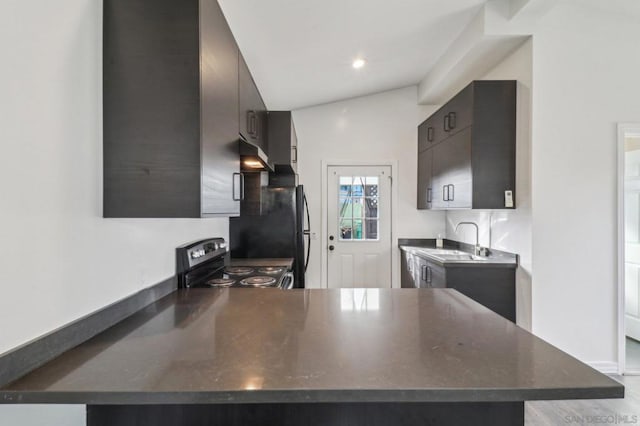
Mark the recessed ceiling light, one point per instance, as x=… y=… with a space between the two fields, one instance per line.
x=359 y=63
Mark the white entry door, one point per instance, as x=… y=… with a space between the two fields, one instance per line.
x=359 y=226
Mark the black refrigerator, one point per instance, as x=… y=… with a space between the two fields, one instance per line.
x=281 y=229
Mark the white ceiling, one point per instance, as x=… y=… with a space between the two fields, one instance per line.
x=300 y=51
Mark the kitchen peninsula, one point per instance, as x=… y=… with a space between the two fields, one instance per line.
x=328 y=356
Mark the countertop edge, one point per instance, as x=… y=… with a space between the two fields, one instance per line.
x=24 y=359
x=312 y=396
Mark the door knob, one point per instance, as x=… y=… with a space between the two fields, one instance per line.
x=331 y=248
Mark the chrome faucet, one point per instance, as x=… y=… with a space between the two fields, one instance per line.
x=479 y=251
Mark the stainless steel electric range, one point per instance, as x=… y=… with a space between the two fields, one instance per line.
x=206 y=263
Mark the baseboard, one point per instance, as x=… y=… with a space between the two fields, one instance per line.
x=31 y=355
x=605 y=367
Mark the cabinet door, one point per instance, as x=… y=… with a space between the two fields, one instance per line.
x=452 y=172
x=151 y=128
x=425 y=135
x=294 y=149
x=406 y=273
x=439 y=132
x=459 y=173
x=439 y=177
x=283 y=141
x=253 y=113
x=458 y=112
x=421 y=272
x=425 y=190
x=219 y=114
x=436 y=276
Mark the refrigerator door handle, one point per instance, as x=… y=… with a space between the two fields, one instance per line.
x=288 y=281
x=307 y=232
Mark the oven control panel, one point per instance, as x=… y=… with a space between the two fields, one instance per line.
x=196 y=253
x=207 y=250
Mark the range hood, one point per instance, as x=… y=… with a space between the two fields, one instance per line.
x=253 y=158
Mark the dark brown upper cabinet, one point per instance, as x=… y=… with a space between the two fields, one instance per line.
x=170 y=110
x=252 y=111
x=283 y=141
x=467 y=150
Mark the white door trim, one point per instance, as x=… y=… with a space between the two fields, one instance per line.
x=324 y=241
x=623 y=130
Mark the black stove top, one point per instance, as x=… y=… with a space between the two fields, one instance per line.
x=247 y=276
x=205 y=263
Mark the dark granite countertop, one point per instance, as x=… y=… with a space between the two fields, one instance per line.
x=331 y=345
x=421 y=247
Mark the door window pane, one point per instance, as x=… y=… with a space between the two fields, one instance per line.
x=357 y=230
x=346 y=208
x=371 y=207
x=358 y=208
x=346 y=229
x=372 y=229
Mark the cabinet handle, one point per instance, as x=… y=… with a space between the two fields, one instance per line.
x=294 y=154
x=430 y=134
x=429 y=195
x=423 y=273
x=446 y=123
x=241 y=186
x=256 y=130
x=233 y=186
x=445 y=193
x=452 y=120
x=451 y=192
x=251 y=123
x=254 y=127
x=429 y=274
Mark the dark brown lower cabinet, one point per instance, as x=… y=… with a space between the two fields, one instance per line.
x=311 y=414
x=492 y=287
x=429 y=274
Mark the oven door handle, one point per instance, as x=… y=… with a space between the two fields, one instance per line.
x=288 y=281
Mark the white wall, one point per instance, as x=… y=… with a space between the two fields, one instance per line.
x=43 y=415
x=585 y=80
x=381 y=127
x=59 y=259
x=586 y=71
x=510 y=229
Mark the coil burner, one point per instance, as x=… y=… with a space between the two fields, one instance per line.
x=271 y=270
x=220 y=282
x=259 y=281
x=238 y=270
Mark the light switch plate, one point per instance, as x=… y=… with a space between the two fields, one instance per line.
x=508 y=199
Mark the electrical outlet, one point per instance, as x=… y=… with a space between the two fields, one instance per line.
x=508 y=199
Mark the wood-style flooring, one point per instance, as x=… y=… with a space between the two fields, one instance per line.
x=589 y=412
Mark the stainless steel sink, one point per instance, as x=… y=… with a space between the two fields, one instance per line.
x=452 y=255
x=443 y=251
x=458 y=257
